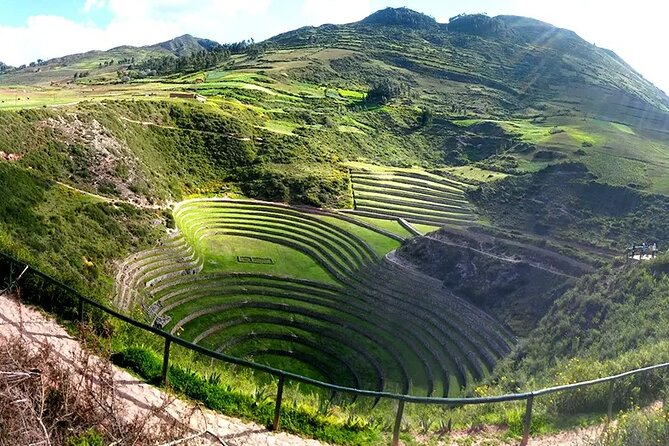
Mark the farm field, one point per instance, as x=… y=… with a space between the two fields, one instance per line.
x=302 y=291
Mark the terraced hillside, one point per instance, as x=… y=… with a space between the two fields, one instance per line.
x=313 y=293
x=418 y=197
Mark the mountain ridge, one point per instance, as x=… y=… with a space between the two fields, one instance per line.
x=503 y=48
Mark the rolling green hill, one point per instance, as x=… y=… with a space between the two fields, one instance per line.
x=101 y=65
x=396 y=198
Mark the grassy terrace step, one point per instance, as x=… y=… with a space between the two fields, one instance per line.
x=392 y=191
x=412 y=194
x=365 y=308
x=458 y=338
x=353 y=350
x=410 y=181
x=381 y=239
x=284 y=212
x=432 y=335
x=277 y=213
x=378 y=322
x=239 y=345
x=175 y=256
x=352 y=252
x=185 y=282
x=484 y=345
x=250 y=282
x=451 y=349
x=317 y=356
x=372 y=210
x=380 y=318
x=385 y=346
x=413 y=203
x=435 y=181
x=206 y=287
x=392 y=185
x=456 y=315
x=380 y=214
x=413 y=208
x=356 y=359
x=126 y=278
x=433 y=178
x=388 y=224
x=417 y=197
x=304 y=358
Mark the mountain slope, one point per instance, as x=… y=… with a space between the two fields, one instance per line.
x=63 y=69
x=185 y=45
x=521 y=63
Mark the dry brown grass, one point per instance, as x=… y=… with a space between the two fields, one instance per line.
x=43 y=402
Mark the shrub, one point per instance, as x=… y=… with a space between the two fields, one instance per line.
x=141 y=360
x=637 y=429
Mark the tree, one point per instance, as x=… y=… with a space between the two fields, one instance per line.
x=385 y=91
x=426 y=117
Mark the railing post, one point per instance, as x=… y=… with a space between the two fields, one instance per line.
x=11 y=274
x=277 y=407
x=609 y=410
x=166 y=360
x=398 y=423
x=81 y=309
x=527 y=423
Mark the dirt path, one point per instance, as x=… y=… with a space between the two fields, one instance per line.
x=503 y=258
x=137 y=397
x=171 y=127
x=112 y=200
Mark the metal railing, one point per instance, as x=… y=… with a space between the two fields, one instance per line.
x=283 y=375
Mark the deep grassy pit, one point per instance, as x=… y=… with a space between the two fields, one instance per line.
x=314 y=308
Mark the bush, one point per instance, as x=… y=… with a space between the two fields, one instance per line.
x=385 y=91
x=141 y=360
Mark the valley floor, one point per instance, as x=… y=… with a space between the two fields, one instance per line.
x=136 y=398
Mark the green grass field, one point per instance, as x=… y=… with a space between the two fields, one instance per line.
x=222 y=252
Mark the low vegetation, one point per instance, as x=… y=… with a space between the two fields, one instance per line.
x=403 y=124
x=569 y=203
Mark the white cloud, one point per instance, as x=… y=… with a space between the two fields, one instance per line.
x=45 y=36
x=93 y=4
x=134 y=22
x=318 y=12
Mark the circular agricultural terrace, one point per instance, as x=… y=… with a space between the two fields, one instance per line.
x=309 y=292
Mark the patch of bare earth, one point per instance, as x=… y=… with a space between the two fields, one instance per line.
x=116 y=402
x=10 y=156
x=106 y=155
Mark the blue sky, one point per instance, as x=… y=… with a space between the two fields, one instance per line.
x=32 y=29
